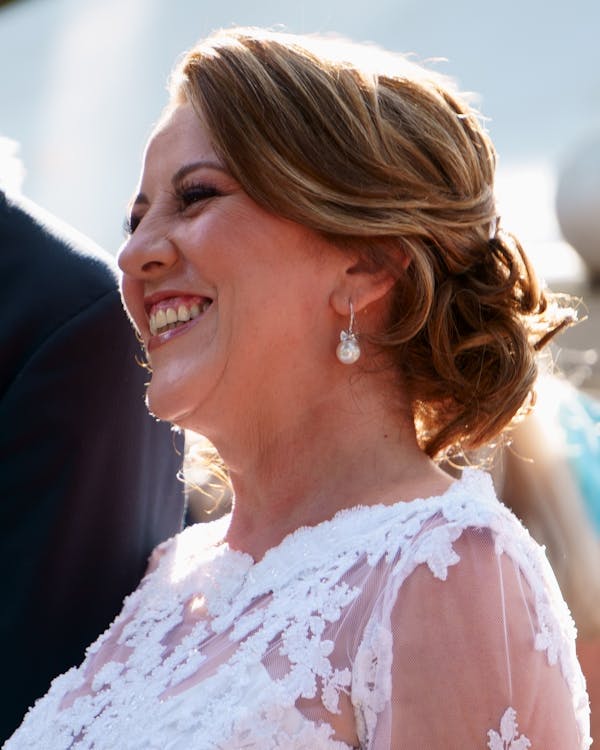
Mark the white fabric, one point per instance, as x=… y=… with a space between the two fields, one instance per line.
x=430 y=624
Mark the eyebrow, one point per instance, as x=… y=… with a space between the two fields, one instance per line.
x=202 y=163
x=142 y=198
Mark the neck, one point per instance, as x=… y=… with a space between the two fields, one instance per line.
x=349 y=449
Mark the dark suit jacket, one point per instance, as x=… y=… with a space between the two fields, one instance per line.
x=88 y=480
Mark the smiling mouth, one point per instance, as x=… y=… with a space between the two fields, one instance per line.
x=175 y=312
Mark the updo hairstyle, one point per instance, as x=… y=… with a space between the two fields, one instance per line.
x=384 y=158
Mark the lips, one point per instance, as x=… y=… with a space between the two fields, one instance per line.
x=175 y=312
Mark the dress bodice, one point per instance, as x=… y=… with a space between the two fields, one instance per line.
x=431 y=621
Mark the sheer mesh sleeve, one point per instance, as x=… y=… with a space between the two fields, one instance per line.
x=474 y=650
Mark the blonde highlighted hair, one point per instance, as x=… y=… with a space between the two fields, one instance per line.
x=385 y=158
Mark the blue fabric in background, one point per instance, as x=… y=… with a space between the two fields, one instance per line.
x=579 y=417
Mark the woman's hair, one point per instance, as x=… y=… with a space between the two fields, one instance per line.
x=384 y=158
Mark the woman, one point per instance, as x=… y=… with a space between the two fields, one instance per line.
x=316 y=269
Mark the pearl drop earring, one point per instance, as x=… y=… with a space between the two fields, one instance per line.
x=348 y=350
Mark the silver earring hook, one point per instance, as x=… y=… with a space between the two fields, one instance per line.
x=351 y=326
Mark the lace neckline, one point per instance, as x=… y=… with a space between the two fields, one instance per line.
x=347 y=522
x=231 y=579
x=472 y=479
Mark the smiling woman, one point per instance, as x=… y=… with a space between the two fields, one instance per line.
x=299 y=192
x=200 y=243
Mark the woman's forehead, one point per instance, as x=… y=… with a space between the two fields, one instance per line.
x=179 y=134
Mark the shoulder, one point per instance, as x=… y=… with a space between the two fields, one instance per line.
x=466 y=553
x=426 y=531
x=477 y=560
x=470 y=614
x=56 y=286
x=33 y=240
x=468 y=536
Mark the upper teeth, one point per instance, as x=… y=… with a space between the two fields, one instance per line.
x=180 y=314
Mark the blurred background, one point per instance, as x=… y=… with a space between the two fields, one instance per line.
x=83 y=80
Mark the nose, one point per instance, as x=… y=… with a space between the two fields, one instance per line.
x=147 y=255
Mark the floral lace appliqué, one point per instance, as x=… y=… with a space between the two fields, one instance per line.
x=509 y=737
x=293 y=652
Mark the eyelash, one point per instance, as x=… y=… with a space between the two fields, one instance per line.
x=186 y=196
x=129 y=225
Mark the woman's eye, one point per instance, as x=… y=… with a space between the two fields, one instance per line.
x=130 y=224
x=196 y=194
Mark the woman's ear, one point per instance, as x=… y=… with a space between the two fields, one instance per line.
x=362 y=286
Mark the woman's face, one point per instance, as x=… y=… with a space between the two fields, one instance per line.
x=232 y=302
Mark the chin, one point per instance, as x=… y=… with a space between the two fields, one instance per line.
x=164 y=406
x=184 y=391
x=168 y=405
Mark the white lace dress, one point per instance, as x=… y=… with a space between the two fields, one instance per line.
x=434 y=624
